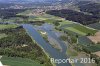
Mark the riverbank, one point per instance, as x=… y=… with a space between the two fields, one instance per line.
x=18 y=44
x=53 y=53
x=48 y=56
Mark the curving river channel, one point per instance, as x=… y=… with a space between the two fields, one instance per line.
x=54 y=53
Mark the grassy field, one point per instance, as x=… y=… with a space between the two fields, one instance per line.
x=82 y=30
x=65 y=22
x=13 y=19
x=11 y=61
x=7 y=26
x=44 y=17
x=25 y=12
x=77 y=28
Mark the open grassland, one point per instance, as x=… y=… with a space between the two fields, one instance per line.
x=7 y=26
x=15 y=61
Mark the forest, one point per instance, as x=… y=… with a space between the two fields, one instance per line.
x=8 y=13
x=18 y=44
x=93 y=8
x=75 y=16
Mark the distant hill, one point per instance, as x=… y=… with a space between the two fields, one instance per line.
x=75 y=16
x=86 y=12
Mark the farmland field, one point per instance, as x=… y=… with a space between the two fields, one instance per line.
x=66 y=22
x=94 y=48
x=13 y=61
x=77 y=28
x=95 y=26
x=85 y=41
x=44 y=17
x=95 y=38
x=88 y=44
x=47 y=18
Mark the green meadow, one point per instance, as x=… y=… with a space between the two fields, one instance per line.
x=76 y=28
x=8 y=26
x=15 y=61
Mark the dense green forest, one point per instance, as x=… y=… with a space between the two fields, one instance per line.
x=18 y=44
x=8 y=13
x=93 y=8
x=75 y=16
x=3 y=5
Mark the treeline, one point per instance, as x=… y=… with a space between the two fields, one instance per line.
x=93 y=8
x=19 y=44
x=75 y=16
x=83 y=46
x=5 y=5
x=8 y=13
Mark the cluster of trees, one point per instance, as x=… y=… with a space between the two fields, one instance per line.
x=8 y=13
x=19 y=44
x=37 y=22
x=73 y=40
x=64 y=38
x=75 y=16
x=3 y=5
x=97 y=59
x=93 y=8
x=56 y=23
